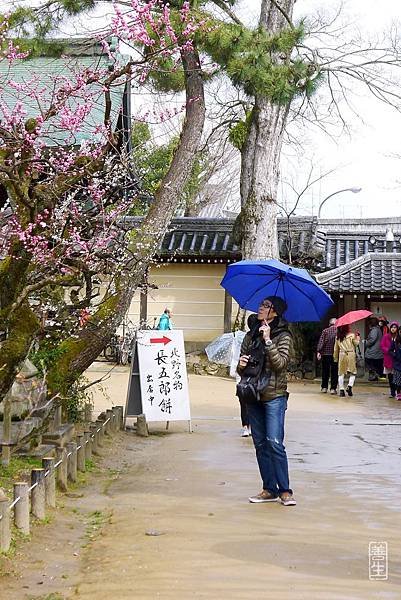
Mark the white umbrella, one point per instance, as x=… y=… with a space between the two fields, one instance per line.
x=225 y=348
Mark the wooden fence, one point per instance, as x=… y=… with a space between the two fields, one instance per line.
x=55 y=472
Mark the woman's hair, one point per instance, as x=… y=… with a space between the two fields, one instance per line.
x=373 y=321
x=342 y=332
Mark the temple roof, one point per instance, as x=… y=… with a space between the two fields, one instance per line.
x=43 y=70
x=372 y=273
x=189 y=237
x=347 y=256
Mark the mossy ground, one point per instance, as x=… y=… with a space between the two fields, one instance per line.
x=19 y=469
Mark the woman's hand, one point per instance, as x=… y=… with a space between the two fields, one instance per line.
x=265 y=329
x=243 y=360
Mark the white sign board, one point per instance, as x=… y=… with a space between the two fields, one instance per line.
x=163 y=375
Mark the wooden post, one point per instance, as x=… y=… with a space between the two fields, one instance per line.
x=121 y=416
x=88 y=445
x=109 y=426
x=100 y=440
x=50 y=481
x=56 y=424
x=228 y=308
x=116 y=421
x=81 y=453
x=61 y=454
x=88 y=412
x=38 y=493
x=21 y=509
x=5 y=532
x=142 y=426
x=95 y=438
x=72 y=461
x=6 y=450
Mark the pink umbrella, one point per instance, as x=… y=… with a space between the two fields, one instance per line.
x=352 y=317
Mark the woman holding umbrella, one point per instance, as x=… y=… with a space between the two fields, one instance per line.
x=345 y=348
x=266 y=415
x=345 y=354
x=279 y=294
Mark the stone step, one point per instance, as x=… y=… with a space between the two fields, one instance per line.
x=61 y=436
x=39 y=452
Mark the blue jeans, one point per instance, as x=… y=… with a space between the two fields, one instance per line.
x=267 y=426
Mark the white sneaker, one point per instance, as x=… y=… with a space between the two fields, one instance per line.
x=246 y=432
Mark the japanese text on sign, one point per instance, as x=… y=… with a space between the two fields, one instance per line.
x=163 y=376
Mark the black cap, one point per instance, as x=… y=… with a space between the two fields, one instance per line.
x=279 y=305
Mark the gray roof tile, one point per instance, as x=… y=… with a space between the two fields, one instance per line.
x=373 y=273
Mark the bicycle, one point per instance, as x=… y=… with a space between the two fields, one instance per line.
x=126 y=347
x=119 y=348
x=111 y=350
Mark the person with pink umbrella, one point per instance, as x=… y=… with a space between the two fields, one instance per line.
x=345 y=355
x=345 y=348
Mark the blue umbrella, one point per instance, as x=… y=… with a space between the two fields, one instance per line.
x=250 y=281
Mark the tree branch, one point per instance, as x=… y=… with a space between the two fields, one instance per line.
x=221 y=4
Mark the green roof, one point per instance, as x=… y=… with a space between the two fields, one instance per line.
x=77 y=55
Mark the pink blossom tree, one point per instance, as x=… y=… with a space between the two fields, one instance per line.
x=60 y=226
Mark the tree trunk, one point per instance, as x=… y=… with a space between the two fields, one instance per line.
x=79 y=353
x=23 y=325
x=19 y=326
x=260 y=158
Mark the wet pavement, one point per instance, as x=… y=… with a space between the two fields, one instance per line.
x=190 y=491
x=345 y=460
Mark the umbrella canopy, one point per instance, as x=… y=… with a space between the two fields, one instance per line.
x=250 y=281
x=352 y=317
x=222 y=348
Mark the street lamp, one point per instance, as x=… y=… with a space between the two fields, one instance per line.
x=354 y=190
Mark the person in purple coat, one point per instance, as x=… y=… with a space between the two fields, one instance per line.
x=396 y=353
x=388 y=359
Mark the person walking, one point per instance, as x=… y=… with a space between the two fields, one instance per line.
x=345 y=356
x=325 y=350
x=396 y=352
x=270 y=340
x=165 y=322
x=373 y=351
x=388 y=357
